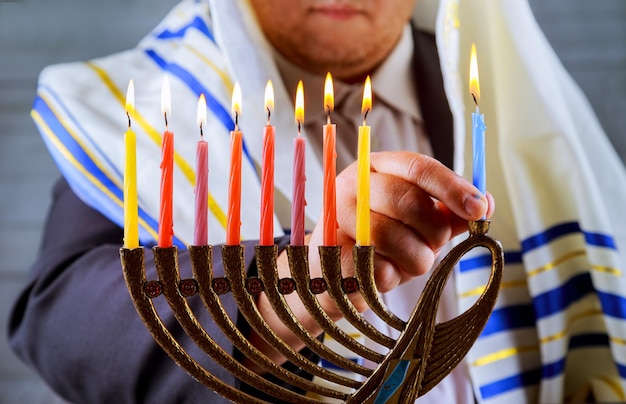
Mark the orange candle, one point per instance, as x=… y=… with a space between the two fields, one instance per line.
x=330 y=168
x=267 y=175
x=200 y=230
x=166 y=229
x=299 y=177
x=233 y=225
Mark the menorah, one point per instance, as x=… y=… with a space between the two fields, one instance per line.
x=423 y=354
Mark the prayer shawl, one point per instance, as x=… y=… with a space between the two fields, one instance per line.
x=559 y=326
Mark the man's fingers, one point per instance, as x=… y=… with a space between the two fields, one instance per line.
x=435 y=179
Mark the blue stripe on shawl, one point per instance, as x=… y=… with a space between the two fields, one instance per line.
x=613 y=305
x=484 y=260
x=524 y=379
x=538 y=240
x=600 y=240
x=73 y=119
x=551 y=302
x=573 y=290
x=621 y=369
x=564 y=229
x=509 y=318
x=527 y=378
x=113 y=211
x=197 y=88
x=197 y=23
x=548 y=235
x=73 y=147
x=532 y=377
x=558 y=299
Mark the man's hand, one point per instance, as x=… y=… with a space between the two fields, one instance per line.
x=417 y=206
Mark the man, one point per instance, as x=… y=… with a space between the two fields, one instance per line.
x=418 y=205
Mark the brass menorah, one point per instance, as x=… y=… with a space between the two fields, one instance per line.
x=423 y=354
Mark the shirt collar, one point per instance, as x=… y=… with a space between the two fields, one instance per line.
x=394 y=83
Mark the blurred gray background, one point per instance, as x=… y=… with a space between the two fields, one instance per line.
x=589 y=37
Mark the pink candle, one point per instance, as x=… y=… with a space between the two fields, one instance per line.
x=299 y=176
x=200 y=231
x=233 y=225
x=267 y=175
x=166 y=229
x=330 y=168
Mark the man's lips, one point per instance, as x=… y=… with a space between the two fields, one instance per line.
x=337 y=11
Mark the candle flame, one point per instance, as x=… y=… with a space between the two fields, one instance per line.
x=166 y=98
x=366 y=105
x=236 y=101
x=201 y=115
x=474 y=85
x=130 y=99
x=329 y=96
x=269 y=98
x=300 y=104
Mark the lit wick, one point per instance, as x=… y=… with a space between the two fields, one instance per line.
x=329 y=99
x=236 y=104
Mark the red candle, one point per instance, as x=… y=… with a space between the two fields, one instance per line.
x=299 y=176
x=267 y=175
x=200 y=230
x=233 y=225
x=330 y=168
x=166 y=230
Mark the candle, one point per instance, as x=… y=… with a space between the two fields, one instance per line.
x=330 y=170
x=233 y=225
x=166 y=230
x=200 y=230
x=131 y=227
x=267 y=173
x=478 y=128
x=363 y=173
x=299 y=177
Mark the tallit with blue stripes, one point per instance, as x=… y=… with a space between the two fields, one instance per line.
x=559 y=327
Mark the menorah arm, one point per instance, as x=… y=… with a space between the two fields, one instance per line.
x=202 y=266
x=364 y=260
x=167 y=270
x=453 y=339
x=266 y=265
x=134 y=274
x=298 y=262
x=330 y=258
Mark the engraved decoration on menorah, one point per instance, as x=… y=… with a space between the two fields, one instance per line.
x=423 y=354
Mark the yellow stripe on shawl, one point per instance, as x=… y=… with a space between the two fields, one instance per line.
x=503 y=354
x=155 y=136
x=572 y=254
x=227 y=82
x=619 y=341
x=78 y=140
x=571 y=320
x=503 y=285
x=72 y=160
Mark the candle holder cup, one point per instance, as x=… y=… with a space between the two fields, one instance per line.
x=419 y=358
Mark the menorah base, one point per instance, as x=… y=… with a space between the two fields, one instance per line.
x=423 y=354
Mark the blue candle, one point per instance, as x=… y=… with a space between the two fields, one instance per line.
x=478 y=143
x=478 y=128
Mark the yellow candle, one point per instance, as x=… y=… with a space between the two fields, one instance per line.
x=363 y=174
x=131 y=227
